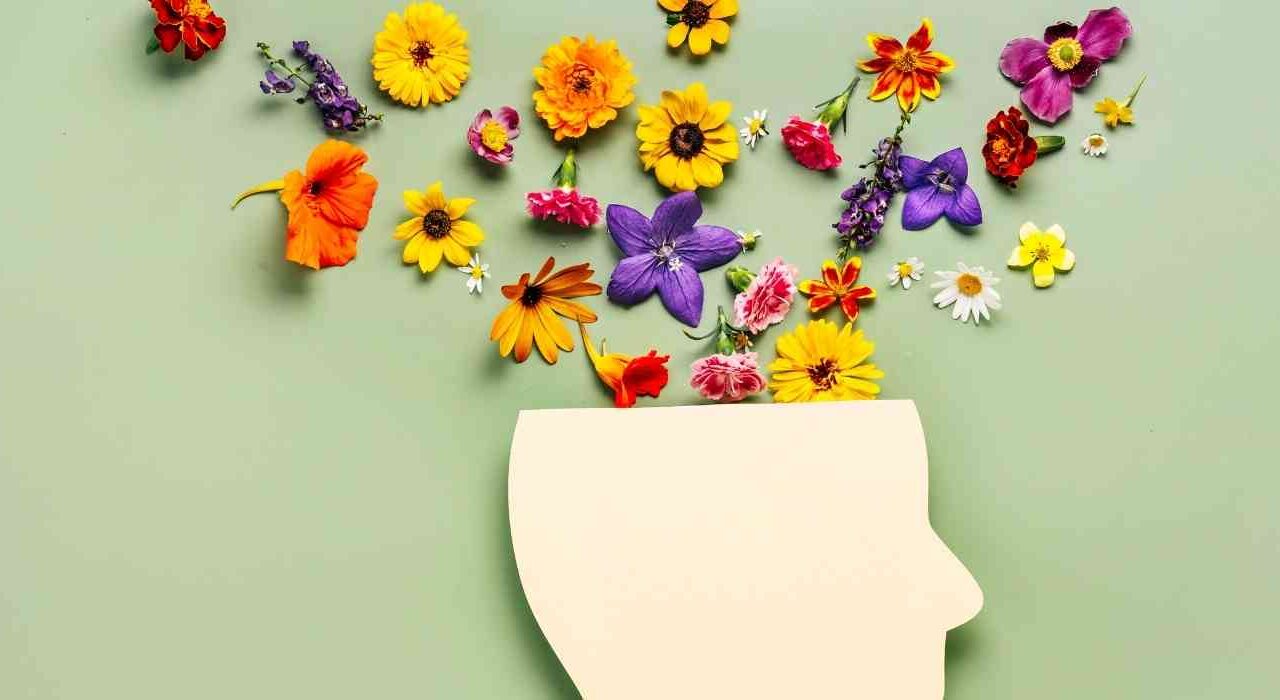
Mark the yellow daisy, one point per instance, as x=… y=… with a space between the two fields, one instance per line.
x=700 y=21
x=818 y=363
x=437 y=229
x=421 y=57
x=687 y=139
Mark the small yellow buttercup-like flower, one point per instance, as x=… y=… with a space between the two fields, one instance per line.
x=687 y=139
x=1044 y=251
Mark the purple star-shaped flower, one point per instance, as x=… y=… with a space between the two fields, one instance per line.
x=938 y=188
x=666 y=253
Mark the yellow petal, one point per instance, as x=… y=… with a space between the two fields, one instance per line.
x=408 y=229
x=458 y=207
x=724 y=8
x=700 y=41
x=1028 y=230
x=673 y=104
x=1042 y=273
x=673 y=5
x=1063 y=259
x=716 y=115
x=685 y=181
x=1055 y=231
x=1020 y=257
x=414 y=201
x=706 y=171
x=677 y=34
x=695 y=102
x=412 y=248
x=466 y=233
x=719 y=31
x=456 y=254
x=429 y=254
x=725 y=152
x=434 y=197
x=666 y=171
x=653 y=132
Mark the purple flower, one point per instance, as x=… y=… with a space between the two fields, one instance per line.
x=490 y=135
x=869 y=198
x=1067 y=59
x=666 y=253
x=273 y=84
x=338 y=109
x=938 y=188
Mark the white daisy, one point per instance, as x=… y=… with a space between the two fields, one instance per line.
x=475 y=273
x=1094 y=145
x=906 y=271
x=757 y=126
x=971 y=290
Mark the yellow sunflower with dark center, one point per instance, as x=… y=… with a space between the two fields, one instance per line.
x=701 y=22
x=818 y=362
x=687 y=139
x=422 y=57
x=582 y=85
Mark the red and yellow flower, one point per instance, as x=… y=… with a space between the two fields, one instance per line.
x=190 y=22
x=628 y=377
x=838 y=285
x=909 y=71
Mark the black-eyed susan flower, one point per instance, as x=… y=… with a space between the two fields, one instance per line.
x=437 y=229
x=421 y=57
x=531 y=317
x=687 y=139
x=818 y=362
x=700 y=21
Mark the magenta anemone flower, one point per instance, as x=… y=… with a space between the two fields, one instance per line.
x=490 y=135
x=938 y=188
x=1067 y=60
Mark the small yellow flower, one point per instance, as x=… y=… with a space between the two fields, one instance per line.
x=686 y=140
x=701 y=21
x=818 y=363
x=1116 y=113
x=1044 y=251
x=422 y=57
x=437 y=229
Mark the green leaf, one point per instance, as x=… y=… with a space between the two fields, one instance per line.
x=674 y=18
x=153 y=46
x=1049 y=144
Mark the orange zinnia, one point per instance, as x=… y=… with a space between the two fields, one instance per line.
x=838 y=286
x=328 y=205
x=530 y=318
x=910 y=71
x=583 y=85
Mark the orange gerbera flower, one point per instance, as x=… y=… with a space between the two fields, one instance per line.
x=530 y=318
x=584 y=84
x=838 y=286
x=328 y=205
x=910 y=71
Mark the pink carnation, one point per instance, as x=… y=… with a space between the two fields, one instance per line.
x=810 y=144
x=566 y=205
x=768 y=299
x=728 y=378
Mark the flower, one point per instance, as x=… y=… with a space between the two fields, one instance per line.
x=810 y=144
x=191 y=22
x=437 y=229
x=817 y=362
x=757 y=127
x=1067 y=59
x=490 y=136
x=530 y=318
x=666 y=253
x=1009 y=150
x=1095 y=145
x=938 y=188
x=749 y=239
x=906 y=271
x=869 y=198
x=628 y=377
x=565 y=203
x=686 y=139
x=971 y=290
x=838 y=285
x=476 y=274
x=702 y=22
x=328 y=205
x=767 y=298
x=909 y=71
x=583 y=85
x=727 y=378
x=422 y=57
x=1044 y=251
x=339 y=111
x=1115 y=113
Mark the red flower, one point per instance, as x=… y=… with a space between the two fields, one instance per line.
x=629 y=377
x=1009 y=150
x=838 y=285
x=565 y=205
x=191 y=22
x=810 y=144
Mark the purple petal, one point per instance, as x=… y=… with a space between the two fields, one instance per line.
x=1104 y=32
x=923 y=206
x=708 y=247
x=913 y=171
x=1023 y=59
x=633 y=280
x=631 y=230
x=478 y=123
x=676 y=216
x=509 y=118
x=965 y=209
x=681 y=292
x=1048 y=95
x=953 y=162
x=1061 y=30
x=1084 y=71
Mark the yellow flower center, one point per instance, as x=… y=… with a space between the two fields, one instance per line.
x=1096 y=141
x=906 y=62
x=905 y=269
x=198 y=9
x=1042 y=253
x=494 y=136
x=1065 y=53
x=422 y=52
x=823 y=375
x=969 y=285
x=437 y=224
x=477 y=273
x=755 y=126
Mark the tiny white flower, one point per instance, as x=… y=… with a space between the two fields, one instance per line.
x=749 y=239
x=475 y=273
x=1094 y=145
x=757 y=127
x=972 y=292
x=906 y=272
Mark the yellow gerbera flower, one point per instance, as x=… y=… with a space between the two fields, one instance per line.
x=818 y=363
x=687 y=139
x=437 y=229
x=701 y=21
x=422 y=57
x=583 y=85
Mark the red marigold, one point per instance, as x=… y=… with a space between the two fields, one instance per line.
x=810 y=144
x=1009 y=150
x=191 y=22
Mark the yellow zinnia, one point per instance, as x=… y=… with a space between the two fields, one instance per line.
x=701 y=21
x=583 y=85
x=818 y=363
x=687 y=139
x=437 y=229
x=422 y=57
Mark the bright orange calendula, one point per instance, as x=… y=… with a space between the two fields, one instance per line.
x=530 y=318
x=582 y=85
x=838 y=285
x=910 y=71
x=328 y=205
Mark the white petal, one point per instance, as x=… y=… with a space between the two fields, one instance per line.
x=946 y=297
x=1057 y=232
x=906 y=282
x=961 y=311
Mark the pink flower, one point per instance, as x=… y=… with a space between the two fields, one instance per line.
x=490 y=136
x=728 y=378
x=566 y=205
x=810 y=144
x=767 y=299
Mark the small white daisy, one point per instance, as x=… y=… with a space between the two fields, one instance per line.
x=1094 y=145
x=475 y=273
x=757 y=127
x=971 y=290
x=905 y=272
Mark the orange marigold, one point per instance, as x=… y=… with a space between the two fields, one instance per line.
x=583 y=85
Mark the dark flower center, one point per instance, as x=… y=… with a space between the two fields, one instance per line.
x=437 y=223
x=582 y=78
x=696 y=14
x=316 y=188
x=943 y=180
x=531 y=296
x=422 y=52
x=823 y=374
x=686 y=140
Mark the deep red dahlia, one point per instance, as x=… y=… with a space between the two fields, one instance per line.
x=191 y=22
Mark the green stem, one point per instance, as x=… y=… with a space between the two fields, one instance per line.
x=834 y=110
x=292 y=72
x=1129 y=101
x=153 y=46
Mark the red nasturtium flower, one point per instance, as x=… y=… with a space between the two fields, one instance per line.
x=628 y=377
x=191 y=22
x=1009 y=150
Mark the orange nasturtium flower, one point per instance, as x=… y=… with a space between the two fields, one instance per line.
x=909 y=71
x=628 y=377
x=530 y=318
x=838 y=286
x=582 y=85
x=328 y=205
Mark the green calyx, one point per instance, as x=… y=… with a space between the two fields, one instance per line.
x=566 y=176
x=834 y=109
x=1049 y=144
x=153 y=46
x=739 y=278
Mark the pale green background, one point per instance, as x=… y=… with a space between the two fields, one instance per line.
x=222 y=476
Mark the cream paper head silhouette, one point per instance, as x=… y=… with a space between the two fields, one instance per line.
x=803 y=565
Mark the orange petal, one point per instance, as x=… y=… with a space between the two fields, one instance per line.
x=886 y=84
x=504 y=320
x=879 y=64
x=935 y=62
x=546 y=269
x=884 y=45
x=348 y=202
x=850 y=273
x=524 y=340
x=923 y=37
x=831 y=274
x=821 y=302
x=333 y=160
x=929 y=85
x=849 y=305
x=908 y=95
x=571 y=309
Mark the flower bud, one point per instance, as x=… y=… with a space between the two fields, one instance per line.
x=739 y=277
